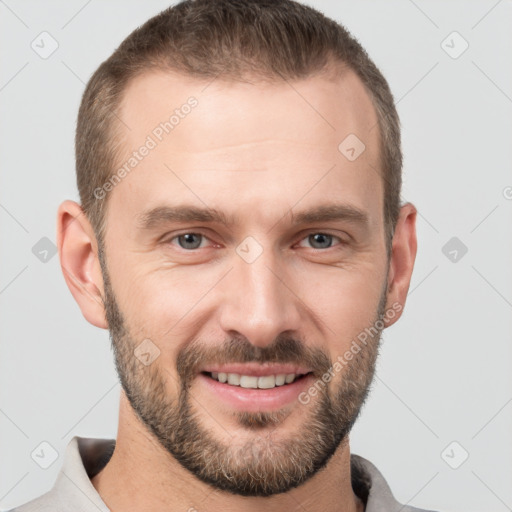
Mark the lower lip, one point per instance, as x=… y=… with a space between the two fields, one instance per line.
x=257 y=400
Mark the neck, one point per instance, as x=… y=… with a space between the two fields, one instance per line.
x=141 y=475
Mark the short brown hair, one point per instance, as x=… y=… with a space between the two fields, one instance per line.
x=271 y=39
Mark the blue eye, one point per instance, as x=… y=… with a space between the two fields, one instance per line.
x=190 y=240
x=321 y=240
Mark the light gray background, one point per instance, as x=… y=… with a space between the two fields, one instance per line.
x=445 y=370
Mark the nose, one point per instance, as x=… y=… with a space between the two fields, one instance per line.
x=259 y=301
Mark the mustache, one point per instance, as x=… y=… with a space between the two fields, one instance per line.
x=284 y=350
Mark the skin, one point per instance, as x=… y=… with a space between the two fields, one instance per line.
x=257 y=151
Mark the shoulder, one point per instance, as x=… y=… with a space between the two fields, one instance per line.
x=371 y=486
x=73 y=490
x=47 y=502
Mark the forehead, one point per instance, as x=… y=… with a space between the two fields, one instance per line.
x=270 y=141
x=327 y=107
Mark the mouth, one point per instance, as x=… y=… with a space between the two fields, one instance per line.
x=253 y=393
x=256 y=382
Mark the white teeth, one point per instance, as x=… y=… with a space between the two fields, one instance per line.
x=267 y=382
x=234 y=379
x=280 y=380
x=290 y=378
x=252 y=382
x=248 y=382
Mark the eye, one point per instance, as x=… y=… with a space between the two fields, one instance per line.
x=322 y=240
x=189 y=240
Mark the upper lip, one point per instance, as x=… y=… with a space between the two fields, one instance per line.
x=257 y=370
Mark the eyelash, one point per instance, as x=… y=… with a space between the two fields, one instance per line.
x=175 y=237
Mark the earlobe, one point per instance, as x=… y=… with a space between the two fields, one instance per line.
x=79 y=262
x=402 y=259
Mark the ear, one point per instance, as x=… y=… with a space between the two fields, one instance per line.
x=401 y=263
x=78 y=254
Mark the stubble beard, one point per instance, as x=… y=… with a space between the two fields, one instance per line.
x=266 y=463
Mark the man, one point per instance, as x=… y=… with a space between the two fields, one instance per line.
x=241 y=236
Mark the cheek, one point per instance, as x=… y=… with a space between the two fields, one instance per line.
x=345 y=300
x=163 y=303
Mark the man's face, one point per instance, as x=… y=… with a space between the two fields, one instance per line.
x=267 y=286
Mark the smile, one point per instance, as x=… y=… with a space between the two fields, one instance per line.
x=254 y=382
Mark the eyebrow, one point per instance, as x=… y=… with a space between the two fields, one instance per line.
x=159 y=215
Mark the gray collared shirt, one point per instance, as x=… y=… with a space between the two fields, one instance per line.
x=85 y=457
